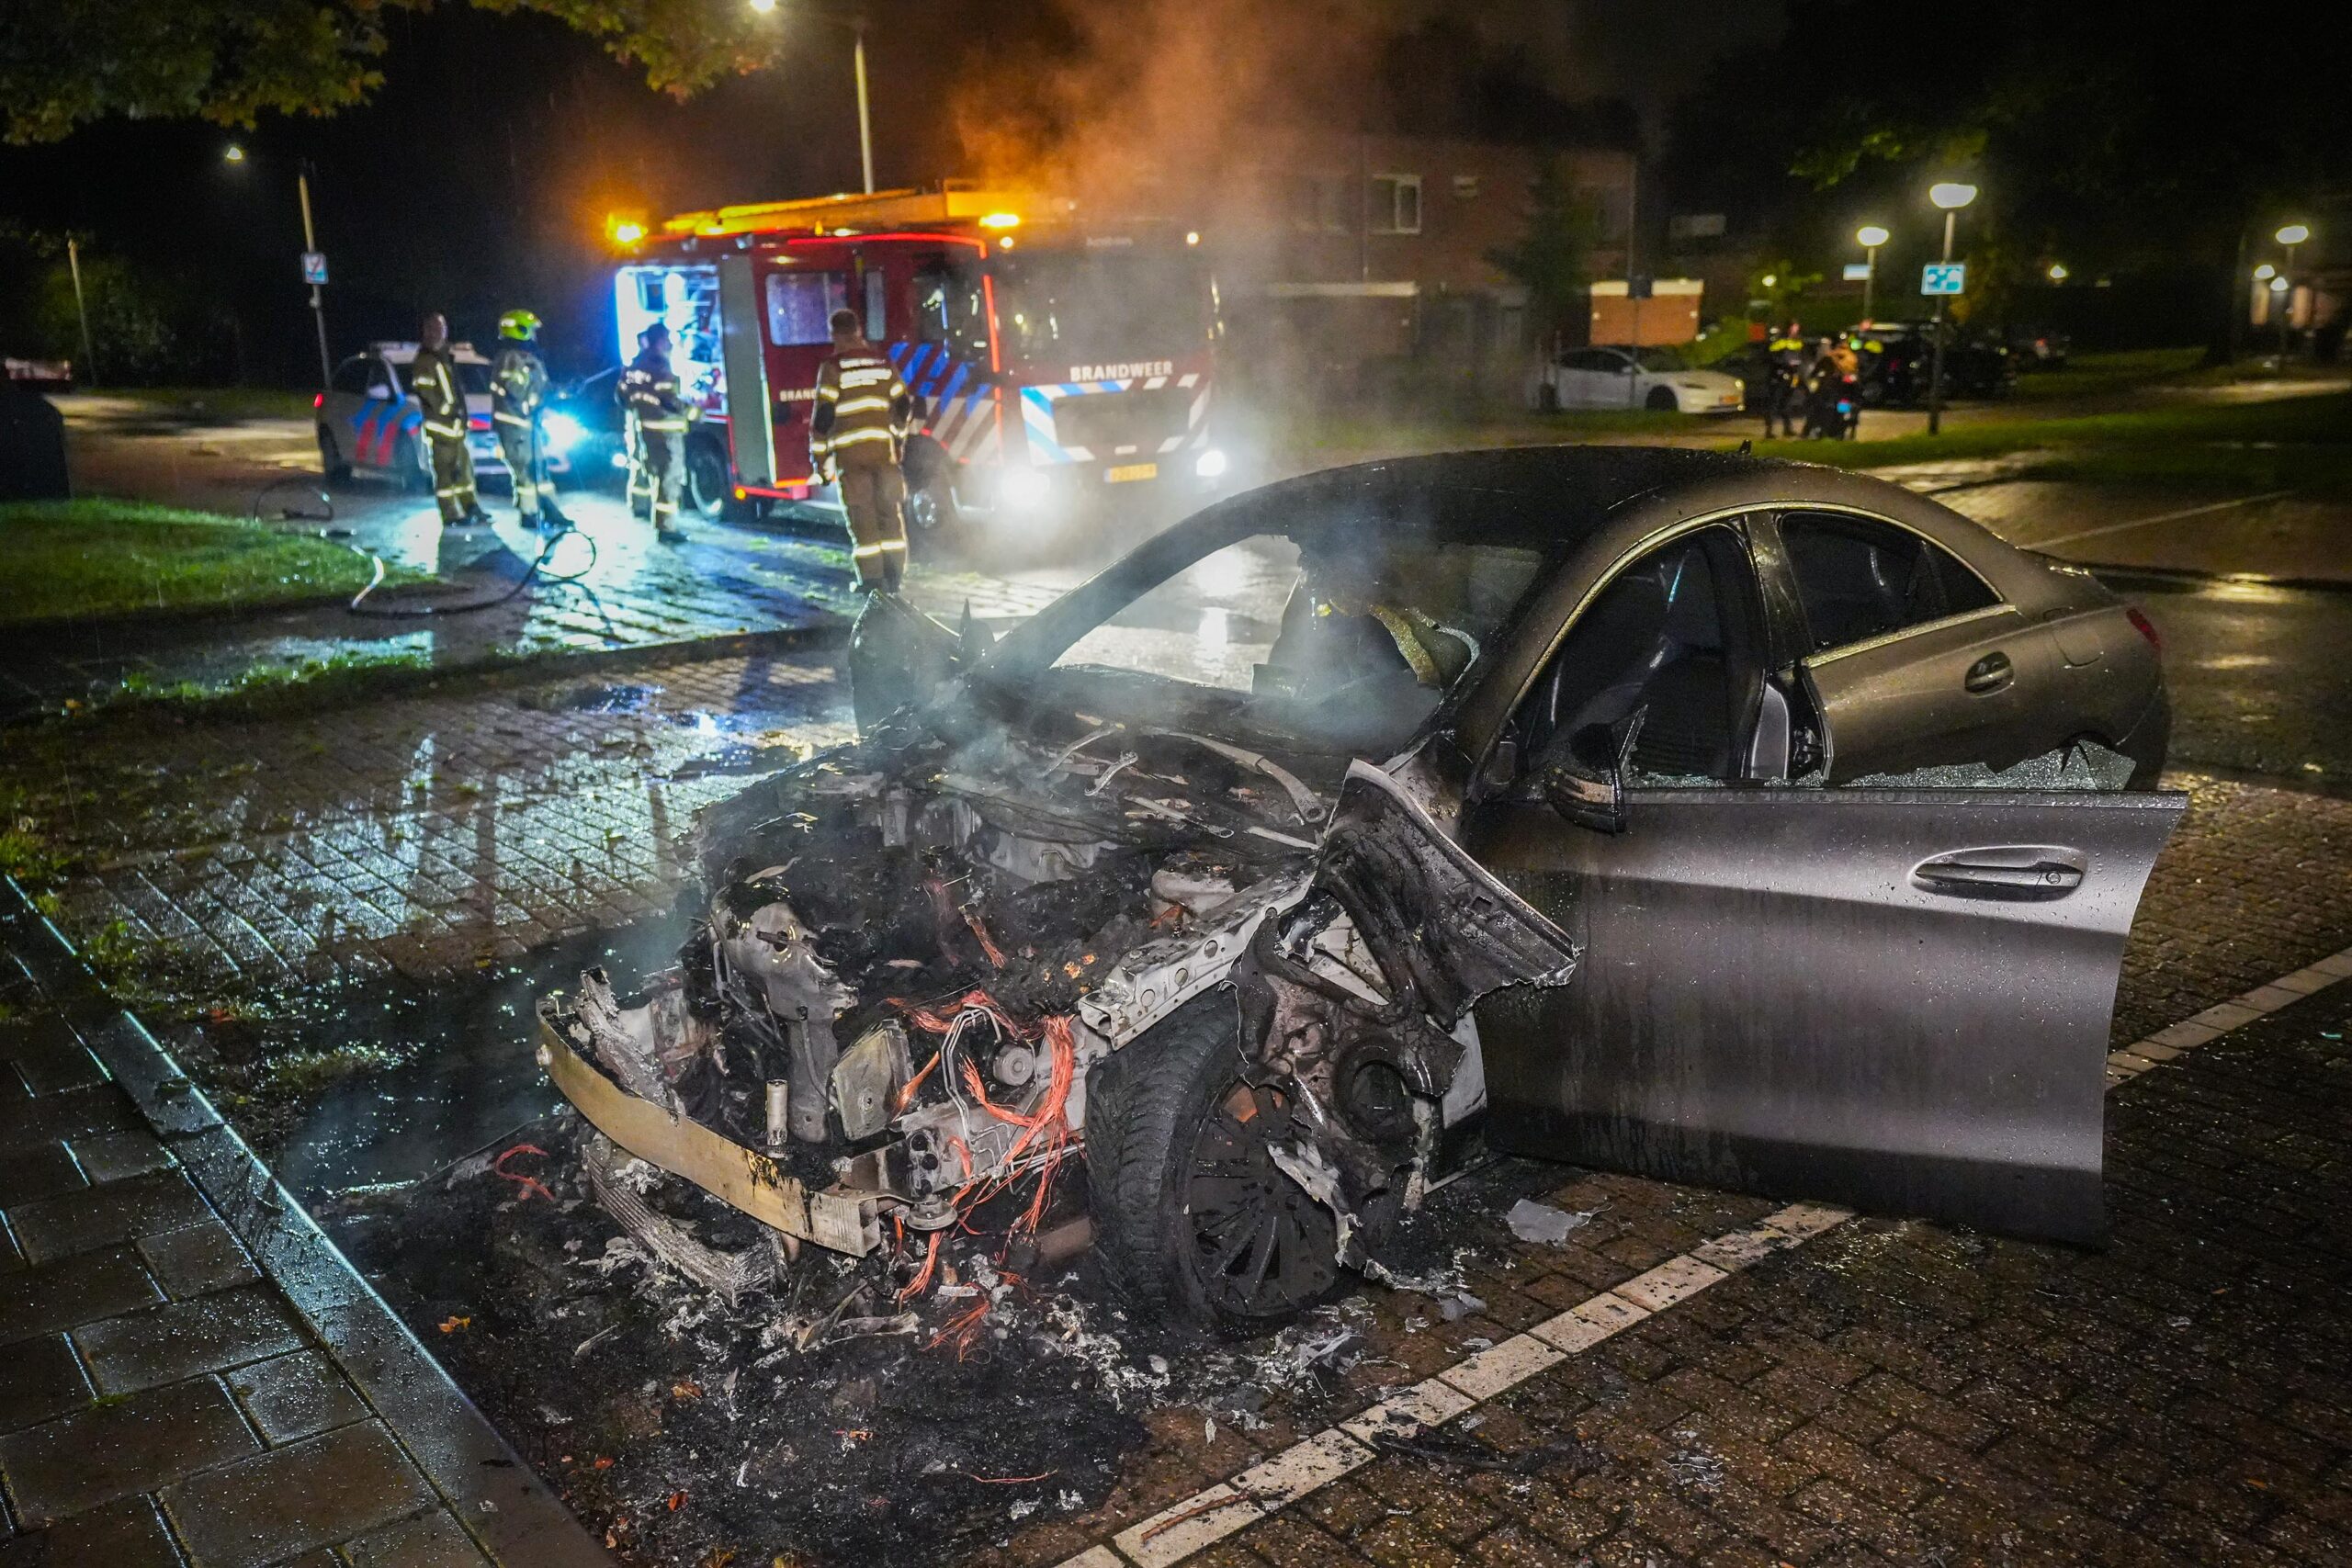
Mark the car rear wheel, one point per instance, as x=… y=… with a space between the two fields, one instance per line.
x=1661 y=400
x=1190 y=1212
x=332 y=466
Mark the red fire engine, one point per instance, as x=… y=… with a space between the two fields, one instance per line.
x=1048 y=358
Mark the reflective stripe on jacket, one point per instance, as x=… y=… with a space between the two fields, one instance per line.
x=648 y=389
x=433 y=378
x=518 y=386
x=860 y=399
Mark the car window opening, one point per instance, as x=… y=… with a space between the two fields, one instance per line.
x=1860 y=580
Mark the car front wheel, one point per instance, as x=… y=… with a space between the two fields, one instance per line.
x=332 y=466
x=1661 y=400
x=1191 y=1210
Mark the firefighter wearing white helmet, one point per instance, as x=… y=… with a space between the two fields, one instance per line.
x=518 y=390
x=857 y=433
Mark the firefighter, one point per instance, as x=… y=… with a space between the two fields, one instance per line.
x=649 y=388
x=640 y=479
x=433 y=379
x=518 y=390
x=1784 y=379
x=857 y=433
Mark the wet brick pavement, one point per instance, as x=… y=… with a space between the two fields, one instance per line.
x=162 y=1401
x=1899 y=1392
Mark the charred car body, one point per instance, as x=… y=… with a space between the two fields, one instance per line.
x=1737 y=822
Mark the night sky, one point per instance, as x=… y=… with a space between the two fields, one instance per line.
x=480 y=176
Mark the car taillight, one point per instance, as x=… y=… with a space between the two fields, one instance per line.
x=2146 y=628
x=318 y=400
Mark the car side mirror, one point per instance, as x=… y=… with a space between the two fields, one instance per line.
x=1589 y=788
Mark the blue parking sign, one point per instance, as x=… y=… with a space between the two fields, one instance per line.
x=1944 y=277
x=314 y=266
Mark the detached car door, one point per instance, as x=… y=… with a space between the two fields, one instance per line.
x=1896 y=999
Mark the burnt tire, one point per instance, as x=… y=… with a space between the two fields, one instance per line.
x=1192 y=1217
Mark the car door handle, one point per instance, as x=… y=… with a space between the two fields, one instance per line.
x=2009 y=871
x=1989 y=674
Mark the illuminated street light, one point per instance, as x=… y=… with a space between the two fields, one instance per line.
x=2291 y=235
x=856 y=25
x=2057 y=271
x=2265 y=273
x=1952 y=195
x=235 y=154
x=1193 y=236
x=1870 y=236
x=1771 y=280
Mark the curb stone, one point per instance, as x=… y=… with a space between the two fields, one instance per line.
x=515 y=1520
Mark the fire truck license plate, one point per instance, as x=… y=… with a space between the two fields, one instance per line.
x=1133 y=471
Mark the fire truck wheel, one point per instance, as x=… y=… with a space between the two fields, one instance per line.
x=709 y=485
x=934 y=521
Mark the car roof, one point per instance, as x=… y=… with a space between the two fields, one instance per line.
x=1532 y=497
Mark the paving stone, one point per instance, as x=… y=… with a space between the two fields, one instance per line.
x=48 y=1055
x=126 y=1534
x=431 y=1539
x=163 y=1344
x=103 y=1216
x=42 y=1171
x=107 y=1451
x=39 y=1379
x=81 y=1289
x=295 y=1499
x=296 y=1395
x=29 y=1121
x=110 y=1157
x=198 y=1258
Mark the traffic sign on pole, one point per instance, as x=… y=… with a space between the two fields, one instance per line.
x=1943 y=277
x=314 y=266
x=1856 y=272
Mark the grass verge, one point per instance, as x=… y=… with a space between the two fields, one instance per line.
x=2299 y=444
x=94 y=559
x=218 y=403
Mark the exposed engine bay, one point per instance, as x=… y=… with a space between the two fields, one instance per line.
x=913 y=952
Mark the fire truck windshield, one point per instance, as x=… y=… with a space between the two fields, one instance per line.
x=1073 y=306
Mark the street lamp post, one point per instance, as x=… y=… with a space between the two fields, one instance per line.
x=1870 y=236
x=2291 y=236
x=856 y=26
x=80 y=306
x=237 y=156
x=1951 y=196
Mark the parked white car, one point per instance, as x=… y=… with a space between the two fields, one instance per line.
x=1653 y=378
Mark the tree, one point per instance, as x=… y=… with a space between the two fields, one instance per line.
x=65 y=63
x=1551 y=259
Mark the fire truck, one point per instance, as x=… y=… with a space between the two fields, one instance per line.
x=1050 y=359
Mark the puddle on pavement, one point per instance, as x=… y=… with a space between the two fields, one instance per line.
x=468 y=1073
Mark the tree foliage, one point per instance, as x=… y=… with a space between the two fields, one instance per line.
x=65 y=63
x=1552 y=259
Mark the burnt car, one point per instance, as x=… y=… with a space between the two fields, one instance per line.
x=1745 y=823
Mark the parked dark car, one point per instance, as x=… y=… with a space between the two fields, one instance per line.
x=1897 y=363
x=1745 y=823
x=2039 y=348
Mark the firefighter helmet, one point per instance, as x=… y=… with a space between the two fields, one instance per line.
x=521 y=324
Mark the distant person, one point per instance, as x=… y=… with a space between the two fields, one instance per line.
x=1784 y=365
x=640 y=478
x=434 y=378
x=857 y=433
x=649 y=390
x=518 y=390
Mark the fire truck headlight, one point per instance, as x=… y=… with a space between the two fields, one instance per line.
x=561 y=430
x=1022 y=487
x=1210 y=464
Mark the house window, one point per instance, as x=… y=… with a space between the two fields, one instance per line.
x=1396 y=204
x=1465 y=187
x=1318 y=204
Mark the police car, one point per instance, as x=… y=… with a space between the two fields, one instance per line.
x=371 y=421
